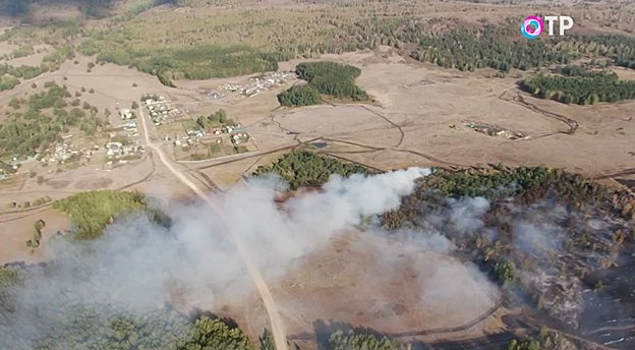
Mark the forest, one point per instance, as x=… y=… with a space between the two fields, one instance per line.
x=8 y=82
x=327 y=78
x=21 y=7
x=494 y=184
x=500 y=183
x=467 y=51
x=199 y=46
x=98 y=326
x=620 y=48
x=33 y=124
x=306 y=168
x=524 y=205
x=579 y=86
x=103 y=327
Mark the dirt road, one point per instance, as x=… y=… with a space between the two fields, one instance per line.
x=277 y=327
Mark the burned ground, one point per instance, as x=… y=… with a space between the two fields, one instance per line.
x=560 y=245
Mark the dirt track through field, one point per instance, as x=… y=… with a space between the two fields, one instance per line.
x=277 y=327
x=519 y=100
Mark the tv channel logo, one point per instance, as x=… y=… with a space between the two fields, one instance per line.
x=534 y=25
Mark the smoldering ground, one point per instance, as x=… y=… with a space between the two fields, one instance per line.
x=137 y=267
x=569 y=260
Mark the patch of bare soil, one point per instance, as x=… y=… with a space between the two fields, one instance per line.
x=93 y=183
x=14 y=234
x=58 y=184
x=13 y=183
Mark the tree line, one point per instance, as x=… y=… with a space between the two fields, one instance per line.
x=618 y=47
x=22 y=7
x=492 y=47
x=468 y=50
x=360 y=341
x=580 y=86
x=196 y=63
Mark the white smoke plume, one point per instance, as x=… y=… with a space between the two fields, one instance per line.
x=138 y=266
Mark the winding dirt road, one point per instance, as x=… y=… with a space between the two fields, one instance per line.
x=277 y=326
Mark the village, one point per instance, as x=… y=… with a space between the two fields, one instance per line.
x=205 y=137
x=254 y=85
x=119 y=143
x=116 y=145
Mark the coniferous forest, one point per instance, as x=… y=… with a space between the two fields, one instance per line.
x=467 y=51
x=327 y=78
x=296 y=96
x=580 y=86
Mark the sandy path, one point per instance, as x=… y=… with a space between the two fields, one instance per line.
x=277 y=327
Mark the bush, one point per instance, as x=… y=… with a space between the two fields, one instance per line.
x=505 y=271
x=528 y=344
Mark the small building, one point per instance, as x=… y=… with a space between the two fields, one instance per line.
x=114 y=149
x=195 y=133
x=252 y=91
x=126 y=114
